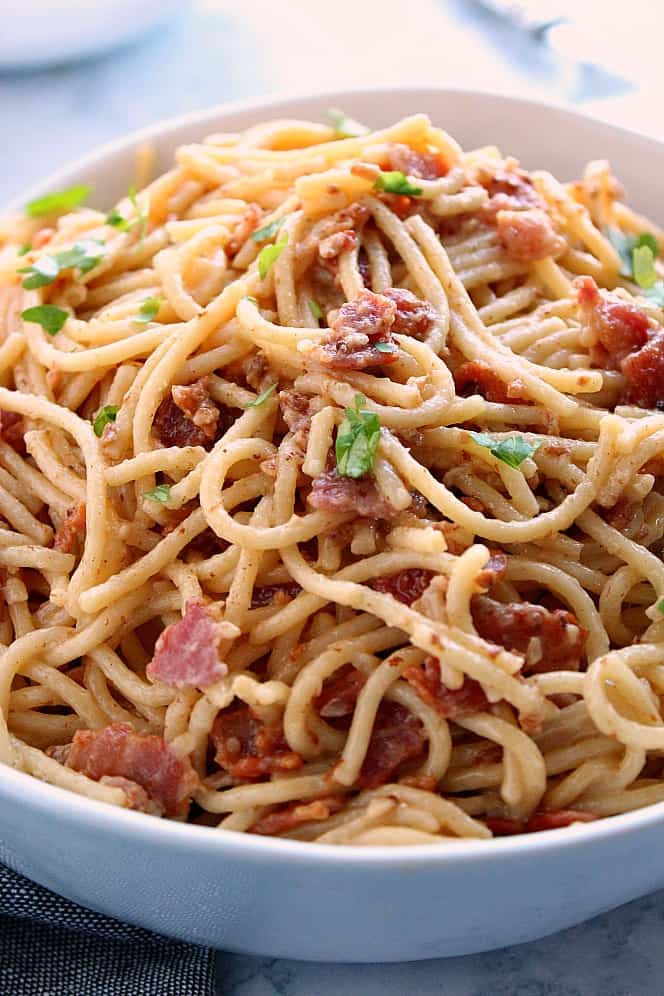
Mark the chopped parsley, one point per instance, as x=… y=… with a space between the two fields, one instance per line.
x=643 y=262
x=625 y=244
x=262 y=397
x=395 y=182
x=268 y=231
x=84 y=255
x=315 y=309
x=107 y=414
x=269 y=255
x=660 y=606
x=58 y=202
x=385 y=347
x=24 y=249
x=162 y=494
x=250 y=299
x=345 y=127
x=512 y=451
x=117 y=220
x=50 y=317
x=357 y=440
x=148 y=310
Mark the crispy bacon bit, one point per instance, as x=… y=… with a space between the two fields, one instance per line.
x=266 y=594
x=478 y=378
x=509 y=189
x=71 y=529
x=137 y=797
x=644 y=373
x=292 y=814
x=549 y=640
x=334 y=245
x=248 y=748
x=295 y=409
x=397 y=736
x=449 y=702
x=424 y=165
x=617 y=326
x=493 y=570
x=339 y=693
x=333 y=493
x=12 y=430
x=118 y=751
x=359 y=327
x=538 y=821
x=406 y=586
x=186 y=655
x=413 y=317
x=195 y=401
x=248 y=223
x=529 y=235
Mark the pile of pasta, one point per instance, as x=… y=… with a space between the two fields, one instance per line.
x=331 y=490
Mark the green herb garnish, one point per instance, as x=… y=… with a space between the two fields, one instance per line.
x=148 y=310
x=315 y=309
x=123 y=224
x=252 y=300
x=84 y=255
x=107 y=414
x=512 y=451
x=262 y=397
x=268 y=231
x=643 y=262
x=345 y=127
x=357 y=440
x=395 y=182
x=385 y=347
x=269 y=255
x=48 y=316
x=162 y=494
x=24 y=250
x=61 y=201
x=660 y=606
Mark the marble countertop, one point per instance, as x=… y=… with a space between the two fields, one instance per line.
x=219 y=51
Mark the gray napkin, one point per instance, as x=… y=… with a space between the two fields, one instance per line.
x=51 y=947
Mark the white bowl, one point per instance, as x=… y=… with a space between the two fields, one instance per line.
x=284 y=898
x=42 y=32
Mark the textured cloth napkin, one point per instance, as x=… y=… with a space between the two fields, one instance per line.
x=50 y=947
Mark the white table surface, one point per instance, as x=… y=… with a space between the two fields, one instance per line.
x=220 y=51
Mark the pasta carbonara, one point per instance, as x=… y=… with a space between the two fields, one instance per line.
x=331 y=490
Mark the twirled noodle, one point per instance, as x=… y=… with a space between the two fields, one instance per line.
x=334 y=504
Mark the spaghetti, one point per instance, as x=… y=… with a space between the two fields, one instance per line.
x=331 y=499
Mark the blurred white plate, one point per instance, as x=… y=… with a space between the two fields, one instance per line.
x=37 y=33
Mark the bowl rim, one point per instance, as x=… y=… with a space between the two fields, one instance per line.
x=88 y=813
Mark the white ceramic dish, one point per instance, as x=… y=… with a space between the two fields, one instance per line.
x=282 y=898
x=38 y=33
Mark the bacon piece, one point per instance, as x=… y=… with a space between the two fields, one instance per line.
x=186 y=654
x=413 y=316
x=266 y=594
x=334 y=245
x=195 y=401
x=644 y=373
x=295 y=409
x=538 y=821
x=71 y=529
x=292 y=814
x=331 y=492
x=509 y=189
x=449 y=702
x=529 y=235
x=406 y=586
x=116 y=750
x=397 y=736
x=549 y=640
x=339 y=693
x=360 y=326
x=12 y=430
x=424 y=165
x=477 y=378
x=137 y=797
x=248 y=223
x=619 y=327
x=248 y=748
x=493 y=570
